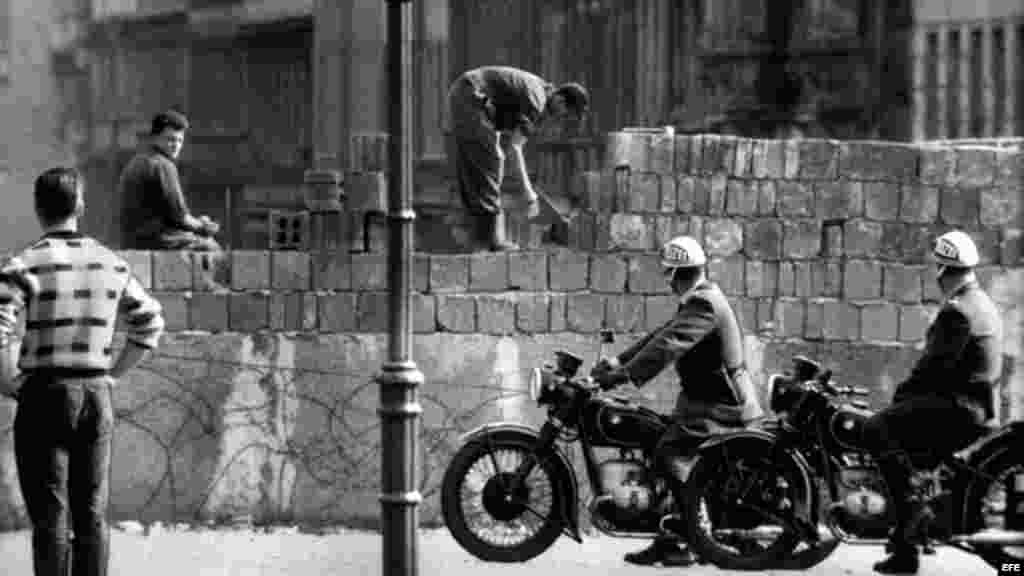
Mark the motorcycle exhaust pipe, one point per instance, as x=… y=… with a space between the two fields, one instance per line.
x=994 y=537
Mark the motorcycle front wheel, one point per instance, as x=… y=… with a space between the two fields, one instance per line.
x=488 y=516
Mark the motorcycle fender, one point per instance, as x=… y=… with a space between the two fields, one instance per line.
x=982 y=452
x=570 y=485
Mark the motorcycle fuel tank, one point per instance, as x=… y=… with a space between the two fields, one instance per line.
x=623 y=425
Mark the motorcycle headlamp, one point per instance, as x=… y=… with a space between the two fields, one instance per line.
x=536 y=384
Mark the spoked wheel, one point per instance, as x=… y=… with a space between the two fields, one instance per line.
x=489 y=514
x=742 y=507
x=991 y=507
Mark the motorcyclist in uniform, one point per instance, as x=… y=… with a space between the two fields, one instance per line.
x=950 y=393
x=704 y=341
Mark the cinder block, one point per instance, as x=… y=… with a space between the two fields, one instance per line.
x=873 y=161
x=827 y=278
x=603 y=232
x=975 y=167
x=376 y=233
x=424 y=313
x=1011 y=247
x=766 y=198
x=449 y=273
x=694 y=227
x=862 y=238
x=366 y=192
x=814 y=320
x=585 y=312
x=723 y=237
x=175 y=310
x=250 y=270
x=919 y=203
x=568 y=271
x=914 y=321
x=172 y=270
x=372 y=312
x=960 y=207
x=716 y=194
x=421 y=272
x=290 y=270
x=761 y=278
x=668 y=226
x=840 y=321
x=618 y=149
x=766 y=317
x=862 y=280
x=211 y=271
x=662 y=153
x=369 y=272
x=648 y=151
x=741 y=197
x=791 y=159
x=795 y=279
x=728 y=273
x=917 y=243
x=818 y=159
x=744 y=165
x=658 y=310
x=1009 y=169
x=838 y=199
x=456 y=313
x=789 y=317
x=557 y=307
x=937 y=165
x=292 y=312
x=586 y=189
x=336 y=312
x=624 y=313
x=882 y=200
x=630 y=232
x=763 y=239
x=249 y=312
x=528 y=270
x=691 y=198
x=533 y=313
x=746 y=313
x=669 y=195
x=902 y=283
x=208 y=312
x=140 y=264
x=695 y=163
x=832 y=233
x=794 y=199
x=608 y=273
x=645 y=275
x=1001 y=207
x=801 y=239
x=488 y=272
x=496 y=315
x=644 y=192
x=879 y=322
x=893 y=239
x=621 y=190
x=332 y=270
x=769 y=159
x=719 y=154
x=682 y=146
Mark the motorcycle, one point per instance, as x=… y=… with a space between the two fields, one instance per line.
x=806 y=478
x=510 y=491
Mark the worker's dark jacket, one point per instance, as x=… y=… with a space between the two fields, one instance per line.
x=963 y=354
x=705 y=342
x=154 y=206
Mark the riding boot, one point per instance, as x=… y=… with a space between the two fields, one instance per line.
x=664 y=551
x=492 y=232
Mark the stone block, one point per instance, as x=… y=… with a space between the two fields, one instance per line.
x=919 y=203
x=914 y=321
x=975 y=167
x=791 y=154
x=208 y=311
x=769 y=159
x=249 y=312
x=882 y=200
x=644 y=192
x=794 y=199
x=332 y=270
x=336 y=312
x=1011 y=247
x=608 y=273
x=818 y=159
x=421 y=272
x=456 y=313
x=585 y=312
x=902 y=283
x=840 y=321
x=790 y=314
x=1000 y=207
x=369 y=271
x=717 y=191
x=449 y=273
x=603 y=232
x=763 y=239
x=533 y=313
x=742 y=197
x=862 y=238
x=879 y=322
x=744 y=156
x=728 y=273
x=661 y=156
x=801 y=238
x=645 y=275
x=641 y=151
x=172 y=270
x=668 y=196
x=862 y=280
x=528 y=270
x=372 y=312
x=722 y=237
x=814 y=320
x=289 y=270
x=917 y=243
x=695 y=164
x=827 y=278
x=766 y=197
x=937 y=165
x=682 y=146
x=761 y=278
x=568 y=271
x=658 y=310
x=424 y=313
x=691 y=197
x=893 y=240
x=250 y=270
x=496 y=315
x=719 y=154
x=140 y=265
x=366 y=192
x=583 y=231
x=960 y=207
x=838 y=199
x=872 y=161
x=832 y=238
x=488 y=272
x=624 y=313
x=556 y=317
x=1009 y=169
x=630 y=232
x=668 y=226
x=300 y=312
x=211 y=271
x=795 y=279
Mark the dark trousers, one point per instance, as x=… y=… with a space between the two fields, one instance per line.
x=914 y=431
x=473 y=149
x=62 y=434
x=677 y=443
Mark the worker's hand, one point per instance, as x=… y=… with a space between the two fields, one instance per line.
x=209 y=225
x=531 y=202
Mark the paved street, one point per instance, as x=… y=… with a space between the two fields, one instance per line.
x=247 y=553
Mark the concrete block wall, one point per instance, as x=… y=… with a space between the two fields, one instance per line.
x=261 y=401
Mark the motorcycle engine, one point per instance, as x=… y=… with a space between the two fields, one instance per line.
x=628 y=483
x=862 y=504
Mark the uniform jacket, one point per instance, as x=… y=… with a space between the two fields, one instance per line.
x=515 y=99
x=704 y=341
x=963 y=353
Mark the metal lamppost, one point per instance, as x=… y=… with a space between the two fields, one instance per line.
x=399 y=378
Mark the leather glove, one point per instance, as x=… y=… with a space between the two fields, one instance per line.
x=604 y=365
x=609 y=379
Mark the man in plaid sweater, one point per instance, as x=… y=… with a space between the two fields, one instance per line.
x=71 y=289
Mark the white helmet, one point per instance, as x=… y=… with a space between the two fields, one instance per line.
x=955 y=249
x=682 y=252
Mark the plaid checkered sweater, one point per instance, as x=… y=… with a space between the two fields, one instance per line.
x=72 y=289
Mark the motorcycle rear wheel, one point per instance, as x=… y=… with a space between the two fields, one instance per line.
x=987 y=502
x=708 y=486
x=501 y=507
